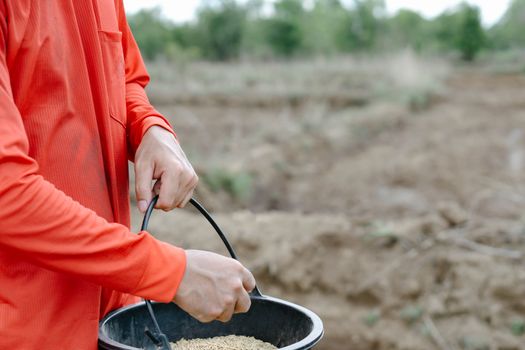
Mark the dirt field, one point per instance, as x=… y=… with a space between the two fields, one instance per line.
x=387 y=195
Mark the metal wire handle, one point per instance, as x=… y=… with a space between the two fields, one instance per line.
x=160 y=338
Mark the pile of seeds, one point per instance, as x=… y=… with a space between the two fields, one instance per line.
x=231 y=342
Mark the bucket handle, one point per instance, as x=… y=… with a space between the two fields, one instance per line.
x=256 y=292
x=159 y=338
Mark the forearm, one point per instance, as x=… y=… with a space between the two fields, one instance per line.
x=141 y=116
x=42 y=225
x=48 y=228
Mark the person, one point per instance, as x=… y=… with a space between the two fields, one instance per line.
x=73 y=110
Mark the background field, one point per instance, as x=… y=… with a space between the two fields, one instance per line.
x=384 y=193
x=382 y=188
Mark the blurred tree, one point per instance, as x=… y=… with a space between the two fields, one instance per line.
x=509 y=31
x=151 y=31
x=184 y=44
x=221 y=27
x=255 y=43
x=322 y=27
x=407 y=28
x=471 y=36
x=185 y=35
x=227 y=29
x=444 y=31
x=458 y=29
x=362 y=25
x=283 y=30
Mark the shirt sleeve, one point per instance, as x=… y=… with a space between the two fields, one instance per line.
x=141 y=115
x=43 y=225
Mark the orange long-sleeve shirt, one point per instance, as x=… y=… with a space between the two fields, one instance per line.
x=72 y=112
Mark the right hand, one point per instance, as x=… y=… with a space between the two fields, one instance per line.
x=214 y=287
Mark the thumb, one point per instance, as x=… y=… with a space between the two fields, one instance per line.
x=143 y=179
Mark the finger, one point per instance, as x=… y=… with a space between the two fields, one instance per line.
x=227 y=314
x=193 y=185
x=188 y=181
x=243 y=304
x=190 y=187
x=156 y=187
x=202 y=318
x=186 y=199
x=143 y=178
x=168 y=192
x=248 y=281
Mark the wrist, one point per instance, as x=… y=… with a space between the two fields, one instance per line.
x=160 y=131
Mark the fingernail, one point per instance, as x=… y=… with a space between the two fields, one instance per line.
x=143 y=206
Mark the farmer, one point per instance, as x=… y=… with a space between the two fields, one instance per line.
x=72 y=112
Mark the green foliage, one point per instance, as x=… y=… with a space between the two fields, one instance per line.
x=366 y=23
x=381 y=230
x=474 y=343
x=371 y=318
x=509 y=31
x=220 y=30
x=238 y=185
x=151 y=31
x=444 y=31
x=322 y=27
x=407 y=29
x=283 y=30
x=283 y=37
x=230 y=29
x=185 y=36
x=411 y=313
x=471 y=37
x=418 y=100
x=255 y=43
x=517 y=327
x=458 y=29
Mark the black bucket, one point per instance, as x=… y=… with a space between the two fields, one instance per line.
x=278 y=322
x=283 y=324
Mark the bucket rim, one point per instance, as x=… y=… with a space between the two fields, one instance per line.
x=308 y=342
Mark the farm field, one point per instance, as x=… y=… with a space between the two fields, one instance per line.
x=386 y=194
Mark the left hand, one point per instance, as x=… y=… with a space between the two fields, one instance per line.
x=159 y=157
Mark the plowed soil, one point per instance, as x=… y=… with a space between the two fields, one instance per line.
x=402 y=226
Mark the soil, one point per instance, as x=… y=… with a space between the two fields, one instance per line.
x=402 y=228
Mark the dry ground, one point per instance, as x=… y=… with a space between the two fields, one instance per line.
x=385 y=194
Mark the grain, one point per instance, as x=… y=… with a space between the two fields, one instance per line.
x=231 y=342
